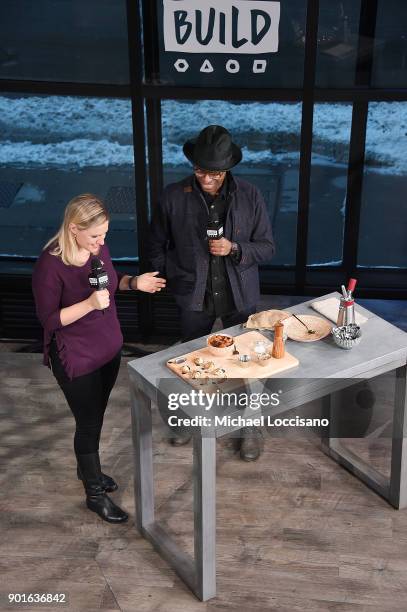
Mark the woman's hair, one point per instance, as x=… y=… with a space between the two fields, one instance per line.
x=84 y=210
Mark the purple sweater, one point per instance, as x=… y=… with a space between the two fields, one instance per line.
x=92 y=340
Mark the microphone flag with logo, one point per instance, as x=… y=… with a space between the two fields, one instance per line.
x=98 y=278
x=214 y=229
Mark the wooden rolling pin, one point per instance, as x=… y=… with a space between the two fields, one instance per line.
x=278 y=351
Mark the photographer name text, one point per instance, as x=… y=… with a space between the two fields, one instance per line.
x=242 y=421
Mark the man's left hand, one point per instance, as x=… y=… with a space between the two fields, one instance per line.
x=221 y=247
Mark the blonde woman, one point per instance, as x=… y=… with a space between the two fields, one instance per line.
x=82 y=336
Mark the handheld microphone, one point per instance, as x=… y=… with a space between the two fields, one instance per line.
x=214 y=231
x=98 y=278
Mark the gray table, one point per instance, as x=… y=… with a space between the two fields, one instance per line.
x=383 y=349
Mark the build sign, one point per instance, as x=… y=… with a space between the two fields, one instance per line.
x=218 y=36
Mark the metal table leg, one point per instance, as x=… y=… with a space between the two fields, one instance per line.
x=143 y=459
x=205 y=516
x=199 y=573
x=395 y=491
x=398 y=476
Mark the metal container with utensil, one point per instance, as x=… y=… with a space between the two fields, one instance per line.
x=346 y=314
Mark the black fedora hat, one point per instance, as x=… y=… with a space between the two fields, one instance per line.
x=213 y=149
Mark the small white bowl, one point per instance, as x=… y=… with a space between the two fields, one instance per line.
x=220 y=352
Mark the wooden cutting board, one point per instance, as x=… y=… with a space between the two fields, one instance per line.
x=244 y=344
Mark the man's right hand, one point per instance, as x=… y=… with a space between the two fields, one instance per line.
x=220 y=248
x=99 y=300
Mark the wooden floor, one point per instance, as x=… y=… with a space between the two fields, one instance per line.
x=296 y=532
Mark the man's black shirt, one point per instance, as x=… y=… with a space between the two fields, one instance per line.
x=218 y=299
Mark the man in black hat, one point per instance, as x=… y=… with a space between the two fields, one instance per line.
x=212 y=278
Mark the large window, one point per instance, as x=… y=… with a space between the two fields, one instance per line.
x=315 y=93
x=337 y=43
x=54 y=148
x=64 y=40
x=231 y=28
x=390 y=51
x=383 y=228
x=269 y=134
x=327 y=208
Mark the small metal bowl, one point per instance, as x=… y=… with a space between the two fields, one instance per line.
x=347 y=336
x=244 y=360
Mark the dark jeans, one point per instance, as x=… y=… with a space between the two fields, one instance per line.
x=87 y=397
x=196 y=324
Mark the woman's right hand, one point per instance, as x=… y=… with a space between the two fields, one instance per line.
x=99 y=300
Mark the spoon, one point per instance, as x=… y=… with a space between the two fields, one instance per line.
x=309 y=330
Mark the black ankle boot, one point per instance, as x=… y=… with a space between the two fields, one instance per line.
x=96 y=498
x=107 y=483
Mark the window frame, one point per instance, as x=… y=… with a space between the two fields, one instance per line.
x=146 y=95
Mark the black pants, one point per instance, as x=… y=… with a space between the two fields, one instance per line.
x=196 y=324
x=87 y=397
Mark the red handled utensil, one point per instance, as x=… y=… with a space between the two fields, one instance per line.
x=351 y=287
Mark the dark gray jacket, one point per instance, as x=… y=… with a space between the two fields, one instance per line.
x=179 y=246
